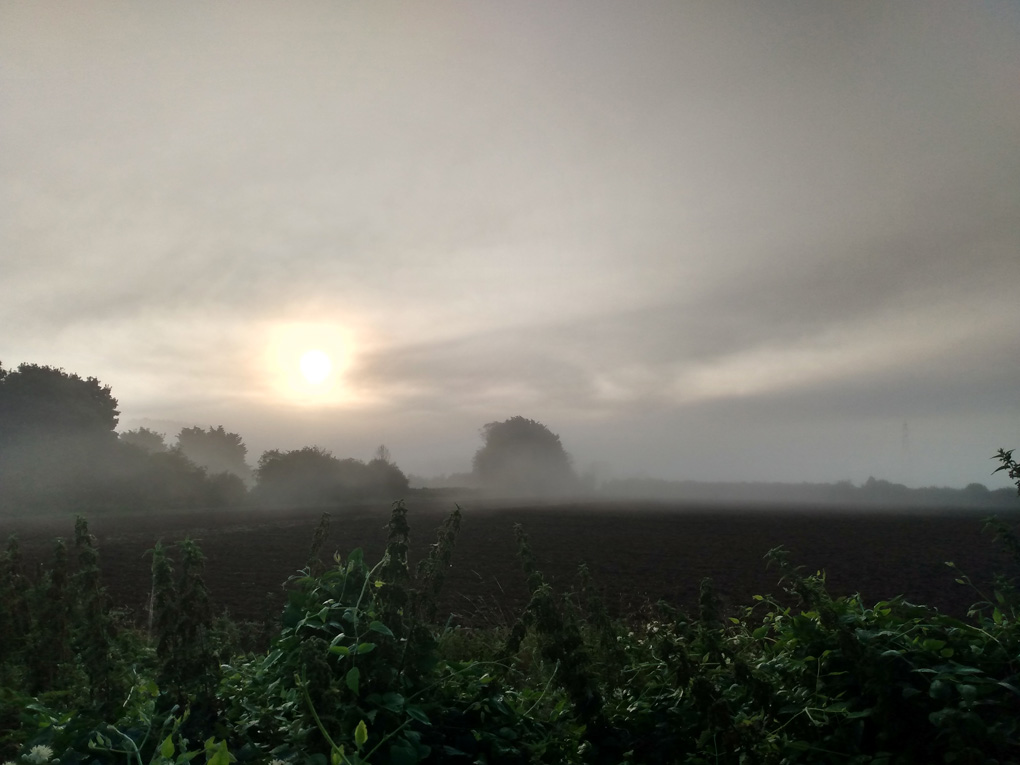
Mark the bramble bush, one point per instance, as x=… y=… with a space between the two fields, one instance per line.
x=360 y=670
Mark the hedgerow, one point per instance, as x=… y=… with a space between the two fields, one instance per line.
x=360 y=669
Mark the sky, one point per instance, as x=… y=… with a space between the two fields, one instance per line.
x=716 y=240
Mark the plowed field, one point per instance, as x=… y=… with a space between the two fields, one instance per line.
x=636 y=552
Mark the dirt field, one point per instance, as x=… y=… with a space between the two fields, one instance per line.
x=637 y=552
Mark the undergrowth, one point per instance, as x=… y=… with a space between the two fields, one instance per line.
x=360 y=668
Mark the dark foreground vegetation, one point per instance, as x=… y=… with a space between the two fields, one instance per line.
x=632 y=657
x=365 y=666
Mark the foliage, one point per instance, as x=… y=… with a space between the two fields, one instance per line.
x=148 y=441
x=215 y=450
x=523 y=457
x=1009 y=465
x=181 y=627
x=46 y=402
x=56 y=431
x=59 y=452
x=361 y=670
x=313 y=476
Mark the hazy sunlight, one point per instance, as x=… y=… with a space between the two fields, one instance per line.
x=316 y=366
x=307 y=362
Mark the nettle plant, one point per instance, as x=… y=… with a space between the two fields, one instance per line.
x=355 y=672
x=360 y=673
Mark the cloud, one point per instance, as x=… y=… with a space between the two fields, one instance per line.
x=633 y=217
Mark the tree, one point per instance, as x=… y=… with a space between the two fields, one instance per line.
x=57 y=432
x=313 y=476
x=523 y=457
x=147 y=440
x=385 y=477
x=39 y=401
x=59 y=450
x=216 y=450
x=303 y=476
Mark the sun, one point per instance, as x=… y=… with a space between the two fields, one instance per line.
x=307 y=363
x=316 y=366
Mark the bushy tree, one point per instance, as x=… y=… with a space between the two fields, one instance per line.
x=42 y=401
x=313 y=476
x=215 y=450
x=523 y=457
x=303 y=476
x=59 y=450
x=147 y=440
x=57 y=432
x=386 y=479
x=140 y=481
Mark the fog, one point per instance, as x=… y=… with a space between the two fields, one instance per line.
x=761 y=242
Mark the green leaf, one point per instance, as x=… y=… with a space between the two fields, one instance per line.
x=1009 y=687
x=416 y=714
x=939 y=690
x=404 y=753
x=365 y=648
x=360 y=734
x=352 y=679
x=391 y=701
x=967 y=692
x=166 y=749
x=340 y=650
x=217 y=754
x=381 y=628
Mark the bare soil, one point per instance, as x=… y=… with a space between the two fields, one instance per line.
x=638 y=553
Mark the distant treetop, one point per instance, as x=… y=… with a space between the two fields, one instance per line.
x=216 y=450
x=38 y=399
x=147 y=440
x=523 y=457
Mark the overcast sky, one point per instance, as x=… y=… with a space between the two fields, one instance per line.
x=711 y=240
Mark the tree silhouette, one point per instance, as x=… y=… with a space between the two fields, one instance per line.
x=385 y=477
x=147 y=440
x=59 y=450
x=313 y=476
x=215 y=450
x=523 y=457
x=44 y=402
x=57 y=432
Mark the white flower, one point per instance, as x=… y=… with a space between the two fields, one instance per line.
x=40 y=754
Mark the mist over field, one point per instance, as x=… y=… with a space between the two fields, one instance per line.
x=757 y=243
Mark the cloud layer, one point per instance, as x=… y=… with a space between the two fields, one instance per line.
x=673 y=232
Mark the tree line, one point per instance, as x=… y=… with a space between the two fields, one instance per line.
x=60 y=450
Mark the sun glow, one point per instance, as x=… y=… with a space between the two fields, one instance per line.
x=308 y=361
x=316 y=366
